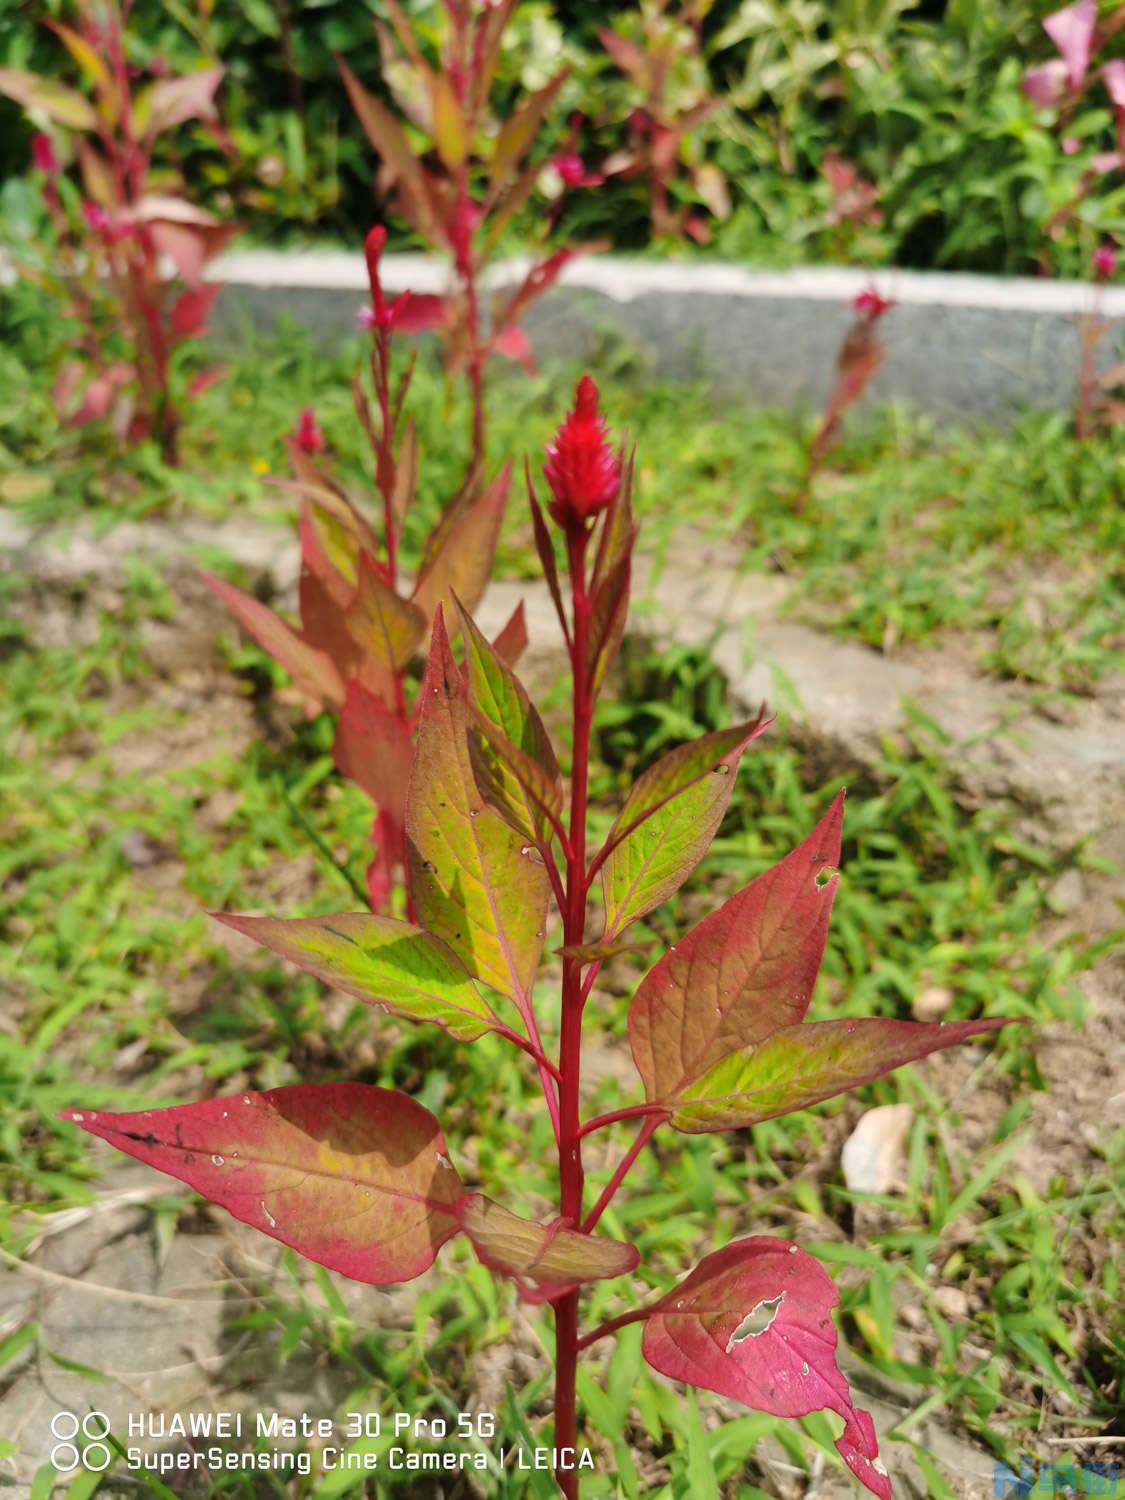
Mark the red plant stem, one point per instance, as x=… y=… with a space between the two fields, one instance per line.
x=633 y=1112
x=384 y=458
x=570 y=1045
x=468 y=267
x=644 y=1135
x=531 y=1047
x=611 y=1326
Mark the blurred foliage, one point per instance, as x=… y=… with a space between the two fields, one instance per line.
x=923 y=99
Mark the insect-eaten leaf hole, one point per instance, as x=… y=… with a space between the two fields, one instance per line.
x=757 y=1321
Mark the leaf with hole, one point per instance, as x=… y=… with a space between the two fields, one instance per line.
x=753 y=1321
x=742 y=973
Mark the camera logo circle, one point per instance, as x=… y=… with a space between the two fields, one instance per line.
x=79 y=1442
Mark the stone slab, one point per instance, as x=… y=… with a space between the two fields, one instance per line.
x=958 y=346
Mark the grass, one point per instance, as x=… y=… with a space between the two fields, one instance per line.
x=1011 y=541
x=115 y=837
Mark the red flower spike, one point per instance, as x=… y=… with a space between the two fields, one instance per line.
x=1104 y=262
x=583 y=471
x=308 y=435
x=870 y=301
x=372 y=251
x=96 y=217
x=43 y=157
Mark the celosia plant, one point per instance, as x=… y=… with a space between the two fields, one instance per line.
x=109 y=237
x=1098 y=403
x=664 y=63
x=463 y=182
x=360 y=1178
x=858 y=361
x=361 y=621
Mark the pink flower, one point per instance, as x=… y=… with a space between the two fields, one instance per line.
x=1072 y=31
x=572 y=169
x=582 y=469
x=870 y=302
x=1046 y=85
x=1104 y=262
x=308 y=435
x=95 y=215
x=43 y=157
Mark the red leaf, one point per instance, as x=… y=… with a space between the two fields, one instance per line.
x=99 y=395
x=311 y=670
x=740 y=974
x=471 y=876
x=192 y=308
x=316 y=560
x=354 y=1177
x=373 y=748
x=205 y=379
x=754 y=1322
x=514 y=344
x=511 y=643
x=417 y=312
x=190 y=246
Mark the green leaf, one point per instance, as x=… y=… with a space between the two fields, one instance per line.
x=800 y=1065
x=512 y=756
x=64 y=106
x=473 y=879
x=450 y=135
x=667 y=823
x=392 y=965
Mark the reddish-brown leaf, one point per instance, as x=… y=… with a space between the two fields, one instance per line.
x=754 y=1322
x=311 y=670
x=352 y=1176
x=744 y=972
x=463 y=562
x=554 y=1256
x=192 y=308
x=373 y=748
x=511 y=643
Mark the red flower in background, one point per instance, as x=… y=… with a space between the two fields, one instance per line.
x=1104 y=262
x=869 y=301
x=582 y=469
x=308 y=435
x=43 y=157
